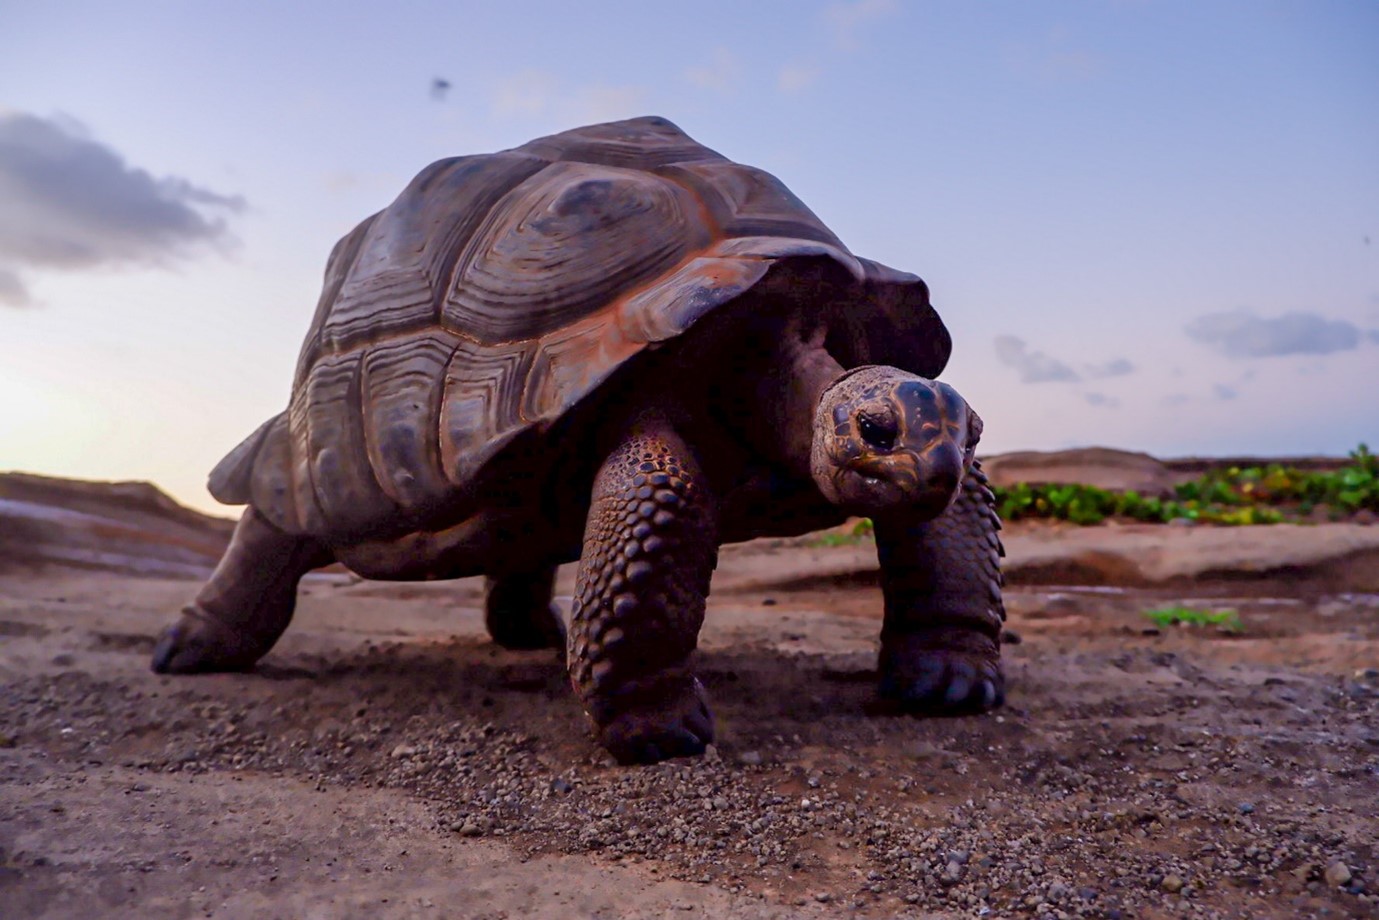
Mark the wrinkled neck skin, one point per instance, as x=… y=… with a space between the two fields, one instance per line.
x=789 y=395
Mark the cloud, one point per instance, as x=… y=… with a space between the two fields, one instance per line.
x=527 y=92
x=847 y=19
x=720 y=74
x=794 y=77
x=1033 y=366
x=1223 y=391
x=1053 y=57
x=1101 y=399
x=1373 y=335
x=1175 y=399
x=606 y=103
x=13 y=291
x=532 y=93
x=1242 y=334
x=73 y=203
x=1117 y=367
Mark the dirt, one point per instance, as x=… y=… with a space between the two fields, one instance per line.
x=386 y=760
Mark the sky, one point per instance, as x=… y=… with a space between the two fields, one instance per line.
x=1148 y=225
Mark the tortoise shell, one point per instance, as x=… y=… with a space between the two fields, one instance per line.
x=499 y=290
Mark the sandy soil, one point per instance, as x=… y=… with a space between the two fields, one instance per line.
x=387 y=761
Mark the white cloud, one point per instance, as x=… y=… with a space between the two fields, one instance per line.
x=607 y=103
x=1053 y=57
x=534 y=93
x=847 y=19
x=794 y=77
x=721 y=74
x=528 y=92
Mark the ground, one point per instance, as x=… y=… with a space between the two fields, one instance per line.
x=387 y=761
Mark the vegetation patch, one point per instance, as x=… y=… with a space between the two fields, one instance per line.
x=1250 y=495
x=1180 y=615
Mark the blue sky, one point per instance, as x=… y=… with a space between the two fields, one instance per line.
x=1152 y=225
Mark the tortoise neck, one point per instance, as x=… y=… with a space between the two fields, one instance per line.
x=789 y=394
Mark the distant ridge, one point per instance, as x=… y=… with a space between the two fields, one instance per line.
x=131 y=527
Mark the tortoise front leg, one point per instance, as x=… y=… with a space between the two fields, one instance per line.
x=940 y=642
x=650 y=546
x=245 y=606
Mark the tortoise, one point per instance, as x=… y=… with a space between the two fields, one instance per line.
x=613 y=345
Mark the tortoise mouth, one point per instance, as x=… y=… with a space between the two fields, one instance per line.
x=875 y=485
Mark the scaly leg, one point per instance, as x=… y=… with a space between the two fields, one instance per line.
x=245 y=606
x=518 y=610
x=940 y=642
x=650 y=546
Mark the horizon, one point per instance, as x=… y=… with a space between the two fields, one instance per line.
x=1149 y=226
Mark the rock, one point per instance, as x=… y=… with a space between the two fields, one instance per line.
x=1337 y=874
x=403 y=750
x=1246 y=808
x=472 y=828
x=1172 y=884
x=750 y=758
x=1011 y=637
x=560 y=785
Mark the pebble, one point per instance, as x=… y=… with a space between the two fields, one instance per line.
x=1246 y=808
x=750 y=758
x=404 y=750
x=1337 y=874
x=1172 y=884
x=561 y=785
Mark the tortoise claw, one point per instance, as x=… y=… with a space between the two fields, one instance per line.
x=199 y=644
x=678 y=725
x=938 y=677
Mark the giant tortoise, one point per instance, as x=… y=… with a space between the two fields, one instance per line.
x=613 y=345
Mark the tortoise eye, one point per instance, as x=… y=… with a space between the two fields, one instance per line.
x=876 y=432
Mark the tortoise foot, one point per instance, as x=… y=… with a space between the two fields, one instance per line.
x=942 y=672
x=199 y=644
x=652 y=728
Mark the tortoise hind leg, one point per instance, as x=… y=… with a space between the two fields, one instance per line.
x=650 y=545
x=245 y=606
x=518 y=610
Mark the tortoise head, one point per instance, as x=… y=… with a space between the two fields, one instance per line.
x=887 y=439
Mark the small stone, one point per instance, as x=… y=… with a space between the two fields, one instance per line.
x=1011 y=637
x=823 y=897
x=1172 y=884
x=471 y=828
x=560 y=785
x=1057 y=891
x=1337 y=874
x=404 y=750
x=750 y=758
x=1246 y=808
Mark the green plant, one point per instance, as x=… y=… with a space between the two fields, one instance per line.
x=1181 y=615
x=861 y=530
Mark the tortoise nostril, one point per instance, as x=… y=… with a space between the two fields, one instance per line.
x=876 y=432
